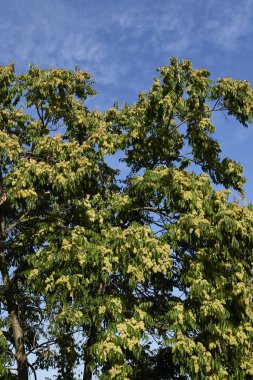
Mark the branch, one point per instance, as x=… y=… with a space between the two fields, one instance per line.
x=48 y=343
x=172 y=111
x=3 y=198
x=189 y=118
x=23 y=219
x=151 y=209
x=41 y=116
x=10 y=353
x=33 y=370
x=158 y=232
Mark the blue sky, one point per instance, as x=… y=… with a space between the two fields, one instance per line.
x=121 y=42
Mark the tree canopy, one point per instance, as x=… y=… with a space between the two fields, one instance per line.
x=140 y=274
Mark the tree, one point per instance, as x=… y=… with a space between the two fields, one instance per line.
x=147 y=276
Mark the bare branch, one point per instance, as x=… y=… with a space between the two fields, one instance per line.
x=33 y=370
x=41 y=345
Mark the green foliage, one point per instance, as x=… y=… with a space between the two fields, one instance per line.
x=147 y=277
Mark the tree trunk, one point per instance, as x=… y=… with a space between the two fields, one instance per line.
x=87 y=374
x=17 y=330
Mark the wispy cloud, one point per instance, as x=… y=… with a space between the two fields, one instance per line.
x=119 y=42
x=66 y=32
x=228 y=24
